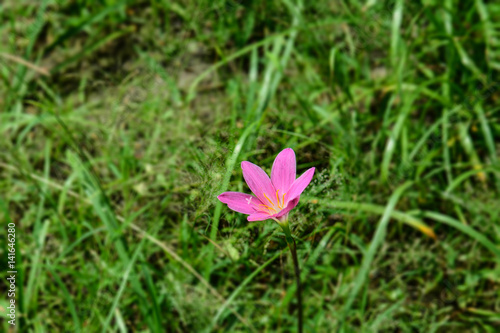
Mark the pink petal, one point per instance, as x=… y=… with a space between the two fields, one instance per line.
x=283 y=171
x=240 y=202
x=258 y=217
x=259 y=182
x=291 y=205
x=299 y=185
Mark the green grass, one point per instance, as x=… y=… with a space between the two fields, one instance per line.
x=122 y=121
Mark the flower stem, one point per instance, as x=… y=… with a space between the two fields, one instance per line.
x=293 y=249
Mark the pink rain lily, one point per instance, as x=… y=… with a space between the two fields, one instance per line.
x=274 y=198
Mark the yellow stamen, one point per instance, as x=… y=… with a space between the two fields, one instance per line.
x=284 y=198
x=278 y=198
x=272 y=204
x=269 y=210
x=266 y=207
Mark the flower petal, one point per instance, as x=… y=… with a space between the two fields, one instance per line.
x=258 y=217
x=283 y=172
x=291 y=205
x=299 y=185
x=259 y=182
x=240 y=202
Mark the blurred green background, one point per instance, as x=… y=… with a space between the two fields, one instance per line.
x=121 y=121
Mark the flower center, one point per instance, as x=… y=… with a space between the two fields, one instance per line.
x=272 y=207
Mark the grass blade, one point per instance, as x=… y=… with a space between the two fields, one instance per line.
x=482 y=239
x=377 y=240
x=374 y=209
x=119 y=294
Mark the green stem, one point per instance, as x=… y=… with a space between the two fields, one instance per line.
x=293 y=249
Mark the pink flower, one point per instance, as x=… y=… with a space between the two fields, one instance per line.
x=274 y=198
